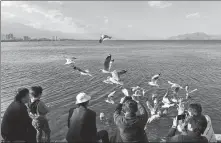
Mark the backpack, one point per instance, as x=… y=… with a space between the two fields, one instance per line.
x=33 y=106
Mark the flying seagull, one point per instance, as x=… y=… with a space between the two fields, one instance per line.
x=104 y=37
x=174 y=85
x=154 y=79
x=188 y=92
x=82 y=72
x=115 y=77
x=153 y=110
x=70 y=60
x=110 y=98
x=166 y=101
x=107 y=64
x=137 y=93
x=135 y=88
x=125 y=92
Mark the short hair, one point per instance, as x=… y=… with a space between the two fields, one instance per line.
x=130 y=106
x=37 y=90
x=198 y=123
x=195 y=109
x=21 y=93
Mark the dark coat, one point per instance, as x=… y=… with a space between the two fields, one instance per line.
x=82 y=126
x=16 y=124
x=131 y=127
x=185 y=137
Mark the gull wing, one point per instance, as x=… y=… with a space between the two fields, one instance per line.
x=155 y=77
x=107 y=63
x=115 y=75
x=193 y=91
x=125 y=92
x=121 y=72
x=111 y=94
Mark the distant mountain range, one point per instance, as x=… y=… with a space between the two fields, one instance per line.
x=19 y=30
x=195 y=36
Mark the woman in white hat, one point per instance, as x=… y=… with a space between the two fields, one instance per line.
x=82 y=126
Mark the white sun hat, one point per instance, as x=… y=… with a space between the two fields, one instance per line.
x=82 y=97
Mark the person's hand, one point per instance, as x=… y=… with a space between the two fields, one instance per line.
x=175 y=122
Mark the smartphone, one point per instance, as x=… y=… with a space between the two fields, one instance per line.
x=181 y=117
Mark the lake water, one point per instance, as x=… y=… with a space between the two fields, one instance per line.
x=198 y=63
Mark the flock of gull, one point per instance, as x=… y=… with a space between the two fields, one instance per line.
x=158 y=109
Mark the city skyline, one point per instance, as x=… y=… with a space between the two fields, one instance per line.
x=120 y=19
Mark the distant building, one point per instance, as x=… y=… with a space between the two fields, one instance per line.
x=10 y=37
x=26 y=38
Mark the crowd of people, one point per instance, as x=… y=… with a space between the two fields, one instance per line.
x=25 y=120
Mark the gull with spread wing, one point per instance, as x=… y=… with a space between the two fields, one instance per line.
x=188 y=92
x=110 y=98
x=82 y=72
x=104 y=37
x=115 y=77
x=154 y=79
x=107 y=64
x=70 y=60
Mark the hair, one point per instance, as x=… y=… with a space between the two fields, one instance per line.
x=198 y=123
x=130 y=106
x=195 y=109
x=37 y=91
x=21 y=93
x=83 y=104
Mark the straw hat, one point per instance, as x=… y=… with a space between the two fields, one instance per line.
x=82 y=97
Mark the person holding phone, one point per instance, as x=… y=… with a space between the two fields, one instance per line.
x=195 y=127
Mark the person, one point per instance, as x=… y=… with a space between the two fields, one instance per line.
x=130 y=126
x=82 y=123
x=195 y=109
x=38 y=111
x=16 y=124
x=193 y=128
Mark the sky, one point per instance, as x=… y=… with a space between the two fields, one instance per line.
x=120 y=19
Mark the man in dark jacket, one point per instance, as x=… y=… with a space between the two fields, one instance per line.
x=195 y=125
x=131 y=126
x=16 y=123
x=82 y=123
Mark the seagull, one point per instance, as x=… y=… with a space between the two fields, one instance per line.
x=166 y=101
x=125 y=92
x=135 y=88
x=152 y=109
x=174 y=85
x=82 y=72
x=107 y=64
x=188 y=92
x=110 y=98
x=154 y=117
x=116 y=77
x=144 y=91
x=70 y=60
x=153 y=81
x=137 y=93
x=104 y=37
